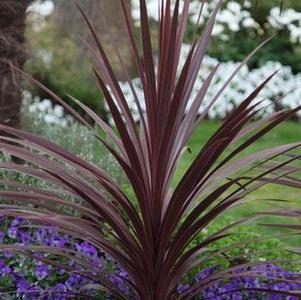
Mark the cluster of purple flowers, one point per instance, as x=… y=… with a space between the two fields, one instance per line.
x=268 y=277
x=33 y=279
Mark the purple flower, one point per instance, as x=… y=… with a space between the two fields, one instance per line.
x=53 y=232
x=123 y=274
x=266 y=275
x=23 y=288
x=120 y=283
x=25 y=238
x=12 y=232
x=275 y=297
x=73 y=281
x=182 y=288
x=8 y=254
x=23 y=285
x=237 y=296
x=59 y=292
x=41 y=235
x=206 y=273
x=4 y=269
x=233 y=289
x=42 y=271
x=86 y=249
x=35 y=293
x=2 y=235
x=58 y=242
x=60 y=287
x=17 y=221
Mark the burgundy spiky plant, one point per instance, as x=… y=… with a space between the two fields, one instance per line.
x=150 y=236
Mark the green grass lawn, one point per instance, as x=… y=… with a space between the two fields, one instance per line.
x=288 y=132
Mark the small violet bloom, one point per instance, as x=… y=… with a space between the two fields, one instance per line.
x=12 y=232
x=2 y=235
x=42 y=271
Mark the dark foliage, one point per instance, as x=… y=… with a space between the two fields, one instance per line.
x=12 y=50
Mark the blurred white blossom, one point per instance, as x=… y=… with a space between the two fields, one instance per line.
x=44 y=110
x=284 y=82
x=43 y=8
x=233 y=16
x=46 y=56
x=38 y=12
x=43 y=118
x=287 y=19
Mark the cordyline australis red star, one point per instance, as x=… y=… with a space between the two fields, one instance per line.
x=150 y=236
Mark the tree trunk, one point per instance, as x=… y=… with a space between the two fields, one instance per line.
x=12 y=27
x=99 y=12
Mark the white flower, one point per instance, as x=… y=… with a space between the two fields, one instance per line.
x=44 y=105
x=32 y=108
x=50 y=119
x=42 y=110
x=44 y=8
x=289 y=19
x=295 y=33
x=217 y=29
x=226 y=16
x=249 y=22
x=234 y=7
x=58 y=111
x=39 y=10
x=247 y=4
x=234 y=26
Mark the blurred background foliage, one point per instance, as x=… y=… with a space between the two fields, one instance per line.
x=58 y=58
x=58 y=52
x=69 y=72
x=279 y=49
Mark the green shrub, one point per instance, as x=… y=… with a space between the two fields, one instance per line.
x=68 y=74
x=280 y=49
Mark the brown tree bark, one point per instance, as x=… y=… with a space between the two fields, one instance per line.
x=12 y=51
x=100 y=12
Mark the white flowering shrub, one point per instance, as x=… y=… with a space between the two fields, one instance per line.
x=234 y=22
x=44 y=110
x=287 y=19
x=233 y=16
x=44 y=118
x=237 y=21
x=241 y=25
x=283 y=83
x=38 y=11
